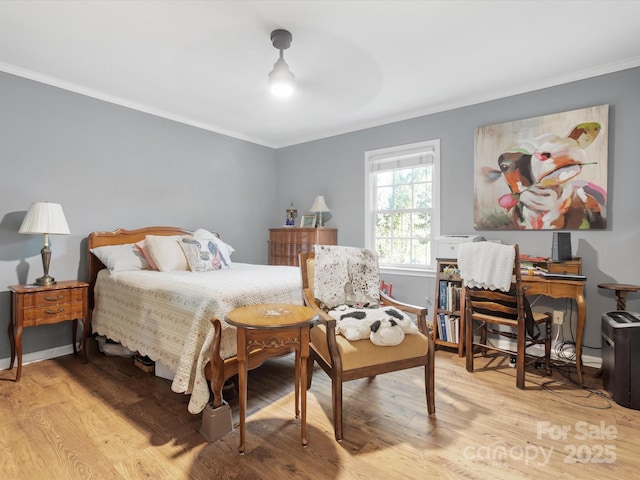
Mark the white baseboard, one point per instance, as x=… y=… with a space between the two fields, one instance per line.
x=39 y=356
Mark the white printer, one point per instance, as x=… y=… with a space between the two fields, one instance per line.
x=447 y=245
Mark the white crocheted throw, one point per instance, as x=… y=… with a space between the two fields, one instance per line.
x=486 y=265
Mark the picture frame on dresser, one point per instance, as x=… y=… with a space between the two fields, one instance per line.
x=308 y=221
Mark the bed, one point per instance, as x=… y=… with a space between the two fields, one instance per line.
x=176 y=317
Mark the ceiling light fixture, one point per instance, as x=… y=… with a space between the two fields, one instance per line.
x=281 y=78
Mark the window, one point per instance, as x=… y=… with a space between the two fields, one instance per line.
x=402 y=211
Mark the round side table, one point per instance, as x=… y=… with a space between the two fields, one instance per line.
x=272 y=327
x=621 y=290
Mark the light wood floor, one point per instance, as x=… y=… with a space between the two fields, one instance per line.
x=110 y=420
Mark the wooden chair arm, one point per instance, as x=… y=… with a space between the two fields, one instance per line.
x=324 y=317
x=420 y=312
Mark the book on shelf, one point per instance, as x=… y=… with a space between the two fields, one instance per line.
x=456 y=329
x=449 y=325
x=442 y=327
x=442 y=295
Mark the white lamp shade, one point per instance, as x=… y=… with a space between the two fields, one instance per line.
x=319 y=205
x=45 y=217
x=281 y=79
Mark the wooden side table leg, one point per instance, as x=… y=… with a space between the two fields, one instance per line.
x=304 y=355
x=621 y=297
x=85 y=334
x=18 y=341
x=12 y=330
x=296 y=374
x=12 y=342
x=242 y=384
x=74 y=335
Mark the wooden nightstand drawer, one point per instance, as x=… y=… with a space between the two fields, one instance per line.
x=52 y=313
x=56 y=297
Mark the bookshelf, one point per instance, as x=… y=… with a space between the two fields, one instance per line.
x=448 y=306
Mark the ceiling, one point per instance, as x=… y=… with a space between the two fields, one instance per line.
x=357 y=64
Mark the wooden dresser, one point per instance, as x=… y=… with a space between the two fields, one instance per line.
x=286 y=243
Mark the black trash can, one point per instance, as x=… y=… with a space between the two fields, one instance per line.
x=621 y=357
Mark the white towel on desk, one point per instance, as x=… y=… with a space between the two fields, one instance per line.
x=486 y=265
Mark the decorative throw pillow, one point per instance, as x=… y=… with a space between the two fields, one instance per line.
x=141 y=247
x=225 y=249
x=120 y=258
x=166 y=252
x=202 y=255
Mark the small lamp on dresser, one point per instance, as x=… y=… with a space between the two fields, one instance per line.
x=48 y=219
x=319 y=206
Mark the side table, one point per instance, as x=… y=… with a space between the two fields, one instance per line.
x=621 y=290
x=272 y=327
x=33 y=305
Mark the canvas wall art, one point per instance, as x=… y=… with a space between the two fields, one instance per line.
x=543 y=173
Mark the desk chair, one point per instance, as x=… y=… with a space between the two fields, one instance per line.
x=345 y=360
x=501 y=306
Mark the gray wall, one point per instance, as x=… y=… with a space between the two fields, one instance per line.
x=335 y=167
x=113 y=167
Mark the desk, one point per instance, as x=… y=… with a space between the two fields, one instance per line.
x=562 y=288
x=273 y=327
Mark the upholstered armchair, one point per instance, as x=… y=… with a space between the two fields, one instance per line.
x=344 y=360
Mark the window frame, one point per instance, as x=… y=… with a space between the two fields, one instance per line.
x=430 y=147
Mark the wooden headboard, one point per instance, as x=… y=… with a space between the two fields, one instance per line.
x=119 y=237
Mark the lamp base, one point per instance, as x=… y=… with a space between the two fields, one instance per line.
x=45 y=280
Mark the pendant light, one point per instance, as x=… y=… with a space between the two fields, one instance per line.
x=281 y=78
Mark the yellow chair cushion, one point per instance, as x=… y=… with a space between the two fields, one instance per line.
x=363 y=353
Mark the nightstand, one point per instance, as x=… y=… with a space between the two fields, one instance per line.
x=33 y=305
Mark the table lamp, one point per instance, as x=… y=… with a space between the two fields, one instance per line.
x=46 y=218
x=319 y=206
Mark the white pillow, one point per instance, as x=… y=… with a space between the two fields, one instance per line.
x=166 y=252
x=225 y=249
x=120 y=258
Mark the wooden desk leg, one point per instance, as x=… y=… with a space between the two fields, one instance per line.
x=242 y=380
x=304 y=355
x=582 y=319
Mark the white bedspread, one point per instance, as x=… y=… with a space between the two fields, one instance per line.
x=166 y=316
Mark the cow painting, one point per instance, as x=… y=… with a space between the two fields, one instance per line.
x=545 y=187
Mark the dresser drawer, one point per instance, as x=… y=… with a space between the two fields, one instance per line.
x=286 y=243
